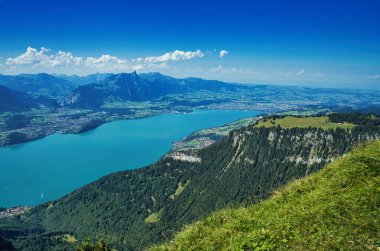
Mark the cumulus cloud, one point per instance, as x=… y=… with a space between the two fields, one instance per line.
x=222 y=53
x=31 y=56
x=174 y=56
x=104 y=61
x=377 y=76
x=46 y=58
x=64 y=58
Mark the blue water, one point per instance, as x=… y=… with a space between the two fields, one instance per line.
x=47 y=169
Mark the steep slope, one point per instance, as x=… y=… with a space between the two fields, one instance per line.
x=337 y=208
x=38 y=85
x=11 y=100
x=134 y=209
x=6 y=245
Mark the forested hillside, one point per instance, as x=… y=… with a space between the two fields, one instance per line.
x=337 y=208
x=5 y=245
x=134 y=209
x=11 y=100
x=38 y=85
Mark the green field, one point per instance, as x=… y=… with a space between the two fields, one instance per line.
x=292 y=121
x=336 y=208
x=179 y=189
x=154 y=217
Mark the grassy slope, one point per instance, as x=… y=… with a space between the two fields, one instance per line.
x=291 y=121
x=336 y=208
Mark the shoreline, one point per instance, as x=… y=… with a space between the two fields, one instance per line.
x=82 y=128
x=107 y=118
x=203 y=113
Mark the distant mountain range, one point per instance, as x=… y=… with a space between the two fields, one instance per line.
x=14 y=100
x=98 y=91
x=94 y=90
x=38 y=85
x=83 y=80
x=137 y=88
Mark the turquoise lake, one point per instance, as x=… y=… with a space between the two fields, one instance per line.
x=47 y=169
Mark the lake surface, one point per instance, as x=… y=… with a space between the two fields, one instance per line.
x=46 y=169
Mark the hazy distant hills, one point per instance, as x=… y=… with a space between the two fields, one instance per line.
x=83 y=80
x=94 y=90
x=137 y=88
x=114 y=91
x=11 y=100
x=15 y=101
x=38 y=85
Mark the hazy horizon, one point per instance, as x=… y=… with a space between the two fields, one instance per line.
x=366 y=86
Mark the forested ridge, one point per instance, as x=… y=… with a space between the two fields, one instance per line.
x=336 y=208
x=135 y=209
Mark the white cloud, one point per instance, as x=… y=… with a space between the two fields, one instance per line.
x=289 y=73
x=44 y=58
x=64 y=58
x=222 y=53
x=174 y=56
x=216 y=69
x=377 y=76
x=231 y=70
x=301 y=72
x=31 y=56
x=105 y=61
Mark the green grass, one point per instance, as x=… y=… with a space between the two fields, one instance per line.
x=336 y=208
x=179 y=189
x=291 y=121
x=69 y=238
x=310 y=112
x=154 y=217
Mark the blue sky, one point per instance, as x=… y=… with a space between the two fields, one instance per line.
x=333 y=43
